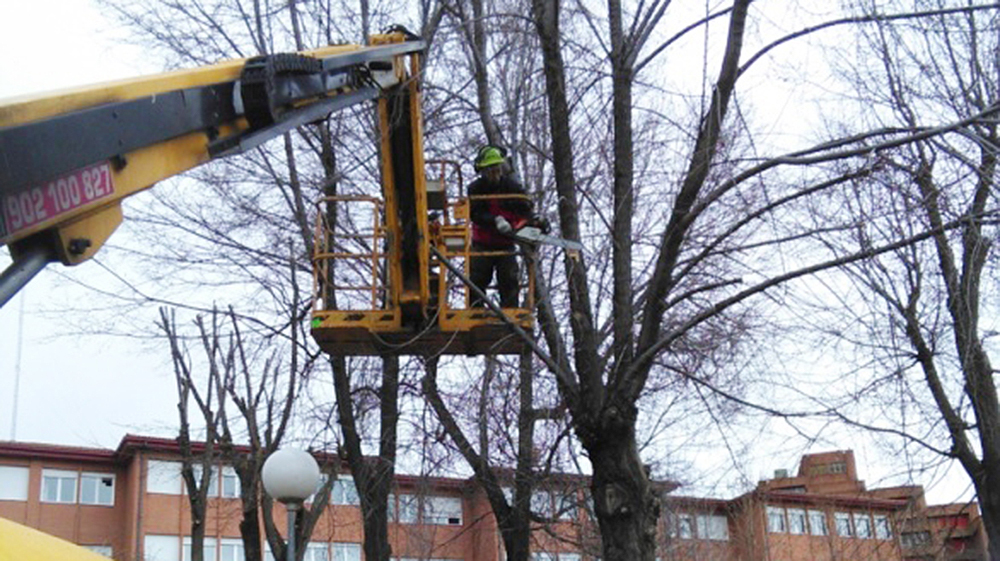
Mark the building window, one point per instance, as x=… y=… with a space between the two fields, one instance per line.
x=838 y=467
x=588 y=505
x=541 y=503
x=842 y=521
x=230 y=483
x=670 y=519
x=161 y=548
x=443 y=511
x=315 y=552
x=97 y=489
x=309 y=500
x=701 y=525
x=915 y=539
x=409 y=509
x=346 y=552
x=58 y=486
x=776 y=520
x=213 y=480
x=104 y=550
x=817 y=523
x=685 y=526
x=344 y=491
x=13 y=483
x=163 y=477
x=208 y=548
x=566 y=506
x=231 y=550
x=862 y=525
x=796 y=521
x=713 y=527
x=883 y=528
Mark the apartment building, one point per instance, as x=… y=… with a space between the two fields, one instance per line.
x=823 y=512
x=952 y=532
x=129 y=504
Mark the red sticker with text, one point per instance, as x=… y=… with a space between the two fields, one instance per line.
x=57 y=197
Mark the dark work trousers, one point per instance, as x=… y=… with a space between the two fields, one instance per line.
x=504 y=262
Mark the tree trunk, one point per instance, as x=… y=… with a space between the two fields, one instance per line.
x=516 y=541
x=373 y=477
x=988 y=493
x=627 y=509
x=250 y=502
x=513 y=520
x=197 y=531
x=376 y=515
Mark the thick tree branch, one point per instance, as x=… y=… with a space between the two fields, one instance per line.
x=673 y=237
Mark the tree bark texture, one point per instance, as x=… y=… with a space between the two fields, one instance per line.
x=626 y=505
x=513 y=520
x=604 y=416
x=373 y=477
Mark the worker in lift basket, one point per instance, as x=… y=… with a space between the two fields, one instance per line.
x=494 y=221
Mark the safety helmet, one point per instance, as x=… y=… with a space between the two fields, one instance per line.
x=489 y=156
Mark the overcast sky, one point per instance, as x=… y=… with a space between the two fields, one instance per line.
x=73 y=390
x=91 y=390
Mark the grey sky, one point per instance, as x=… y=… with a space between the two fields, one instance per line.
x=73 y=390
x=91 y=390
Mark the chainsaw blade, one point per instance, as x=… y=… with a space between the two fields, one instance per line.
x=534 y=235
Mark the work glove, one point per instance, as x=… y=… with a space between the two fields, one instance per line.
x=543 y=224
x=503 y=226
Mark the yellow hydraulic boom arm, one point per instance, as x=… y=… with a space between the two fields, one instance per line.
x=67 y=159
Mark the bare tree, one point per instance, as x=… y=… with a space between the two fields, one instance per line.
x=265 y=406
x=373 y=475
x=688 y=245
x=923 y=314
x=356 y=386
x=247 y=229
x=266 y=414
x=492 y=468
x=199 y=464
x=605 y=414
x=498 y=51
x=687 y=300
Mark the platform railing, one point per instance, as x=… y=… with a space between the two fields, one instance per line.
x=349 y=254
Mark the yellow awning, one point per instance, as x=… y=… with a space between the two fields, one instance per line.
x=21 y=543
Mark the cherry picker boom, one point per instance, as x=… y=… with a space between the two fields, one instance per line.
x=68 y=160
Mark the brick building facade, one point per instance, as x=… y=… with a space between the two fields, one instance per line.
x=823 y=512
x=129 y=504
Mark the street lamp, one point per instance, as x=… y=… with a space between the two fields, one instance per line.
x=290 y=476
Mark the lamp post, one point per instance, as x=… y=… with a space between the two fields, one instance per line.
x=290 y=476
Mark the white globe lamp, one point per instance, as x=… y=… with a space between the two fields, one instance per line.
x=290 y=476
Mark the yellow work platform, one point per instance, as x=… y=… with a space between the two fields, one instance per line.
x=377 y=333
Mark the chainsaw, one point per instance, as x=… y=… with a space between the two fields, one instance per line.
x=533 y=235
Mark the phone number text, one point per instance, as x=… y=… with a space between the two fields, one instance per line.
x=59 y=196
